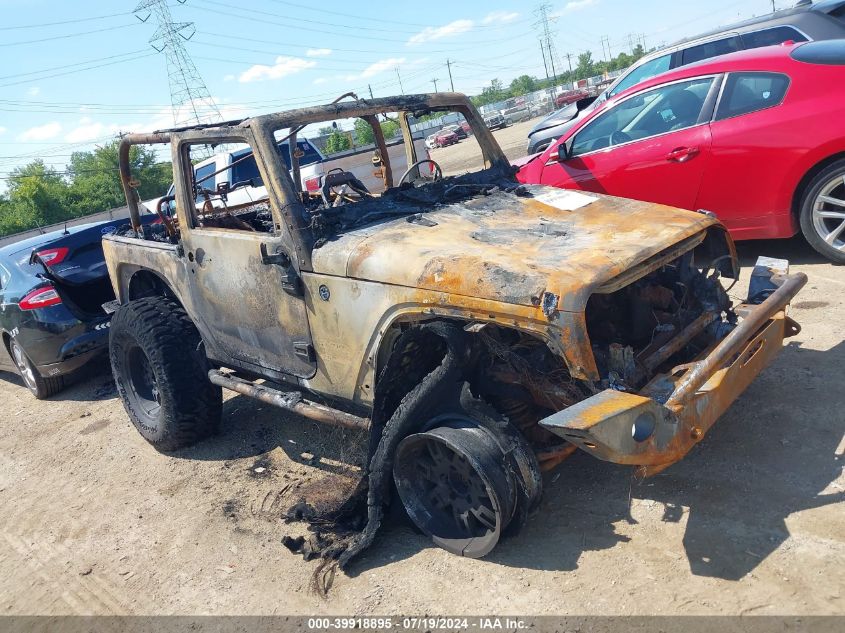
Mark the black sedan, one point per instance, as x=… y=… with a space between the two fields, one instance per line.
x=52 y=288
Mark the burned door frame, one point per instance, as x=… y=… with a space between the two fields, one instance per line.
x=269 y=333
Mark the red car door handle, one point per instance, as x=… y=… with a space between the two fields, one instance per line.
x=682 y=154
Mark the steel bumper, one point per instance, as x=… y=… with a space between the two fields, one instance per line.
x=658 y=426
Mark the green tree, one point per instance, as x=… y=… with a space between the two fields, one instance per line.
x=38 y=195
x=492 y=93
x=337 y=142
x=95 y=180
x=586 y=66
x=522 y=85
x=364 y=133
x=390 y=129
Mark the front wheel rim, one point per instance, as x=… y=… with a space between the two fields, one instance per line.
x=447 y=487
x=142 y=384
x=829 y=213
x=23 y=366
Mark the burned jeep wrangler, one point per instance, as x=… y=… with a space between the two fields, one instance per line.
x=479 y=330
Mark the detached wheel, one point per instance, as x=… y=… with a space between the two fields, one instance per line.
x=40 y=387
x=457 y=485
x=162 y=375
x=823 y=212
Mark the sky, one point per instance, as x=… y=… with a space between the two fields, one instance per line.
x=77 y=73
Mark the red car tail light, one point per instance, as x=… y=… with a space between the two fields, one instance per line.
x=52 y=256
x=40 y=298
x=312 y=184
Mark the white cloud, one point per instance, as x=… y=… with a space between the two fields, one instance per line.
x=283 y=67
x=576 y=5
x=41 y=132
x=378 y=67
x=502 y=17
x=431 y=33
x=89 y=130
x=229 y=78
x=34 y=91
x=318 y=52
x=320 y=80
x=2 y=130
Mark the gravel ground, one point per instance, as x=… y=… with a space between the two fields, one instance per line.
x=94 y=521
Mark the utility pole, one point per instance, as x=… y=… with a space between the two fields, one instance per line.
x=190 y=99
x=606 y=54
x=434 y=81
x=543 y=23
x=371 y=91
x=569 y=59
x=773 y=6
x=451 y=83
x=631 y=42
x=399 y=77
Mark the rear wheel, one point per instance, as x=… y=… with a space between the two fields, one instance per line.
x=161 y=373
x=823 y=212
x=39 y=386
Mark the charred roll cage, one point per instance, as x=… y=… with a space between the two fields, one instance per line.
x=466 y=400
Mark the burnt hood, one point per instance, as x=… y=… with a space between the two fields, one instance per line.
x=510 y=248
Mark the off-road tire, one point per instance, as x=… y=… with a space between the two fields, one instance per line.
x=39 y=386
x=170 y=399
x=808 y=201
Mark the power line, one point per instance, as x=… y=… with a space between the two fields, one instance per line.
x=74 y=21
x=64 y=37
x=323 y=11
x=324 y=31
x=72 y=72
x=320 y=22
x=90 y=61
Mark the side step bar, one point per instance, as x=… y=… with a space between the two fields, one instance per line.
x=291 y=401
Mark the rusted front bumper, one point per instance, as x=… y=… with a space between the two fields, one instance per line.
x=658 y=426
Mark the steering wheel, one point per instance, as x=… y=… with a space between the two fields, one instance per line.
x=438 y=172
x=618 y=137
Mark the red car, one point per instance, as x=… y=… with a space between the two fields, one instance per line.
x=756 y=137
x=570 y=96
x=444 y=138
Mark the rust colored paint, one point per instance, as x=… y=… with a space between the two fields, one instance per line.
x=512 y=249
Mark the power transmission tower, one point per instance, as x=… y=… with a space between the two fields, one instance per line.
x=189 y=97
x=543 y=23
x=543 y=53
x=399 y=77
x=451 y=83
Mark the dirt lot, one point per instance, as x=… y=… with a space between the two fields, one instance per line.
x=466 y=155
x=94 y=521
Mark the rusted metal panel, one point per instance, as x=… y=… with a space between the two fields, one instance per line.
x=513 y=249
x=350 y=318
